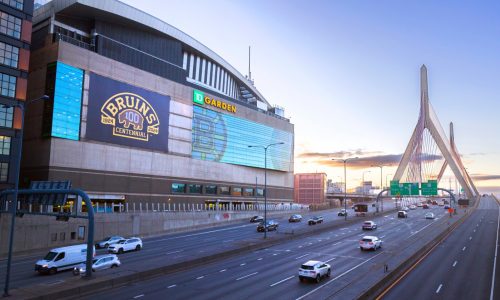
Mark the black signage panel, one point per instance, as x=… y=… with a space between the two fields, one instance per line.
x=123 y=114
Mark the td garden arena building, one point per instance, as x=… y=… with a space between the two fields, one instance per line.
x=142 y=112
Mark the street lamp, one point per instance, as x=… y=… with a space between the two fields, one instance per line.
x=21 y=106
x=363 y=182
x=381 y=188
x=265 y=180
x=345 y=182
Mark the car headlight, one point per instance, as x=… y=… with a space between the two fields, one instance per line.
x=45 y=266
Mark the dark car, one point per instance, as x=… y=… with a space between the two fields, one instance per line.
x=402 y=214
x=256 y=219
x=270 y=225
x=315 y=220
x=295 y=218
x=425 y=206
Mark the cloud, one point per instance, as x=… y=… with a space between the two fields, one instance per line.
x=325 y=159
x=485 y=177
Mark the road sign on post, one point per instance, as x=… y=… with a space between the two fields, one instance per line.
x=405 y=188
x=429 y=188
x=395 y=190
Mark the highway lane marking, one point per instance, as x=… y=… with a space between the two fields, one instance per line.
x=251 y=274
x=300 y=246
x=139 y=296
x=199 y=233
x=470 y=238
x=329 y=260
x=223 y=270
x=174 y=252
x=260 y=258
x=382 y=236
x=241 y=265
x=302 y=256
x=201 y=277
x=439 y=288
x=275 y=254
x=55 y=282
x=455 y=263
x=281 y=281
x=171 y=286
x=463 y=249
x=495 y=260
x=333 y=279
x=336 y=243
x=474 y=230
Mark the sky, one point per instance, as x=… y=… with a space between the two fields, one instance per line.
x=347 y=74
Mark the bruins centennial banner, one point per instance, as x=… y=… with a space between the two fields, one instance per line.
x=123 y=114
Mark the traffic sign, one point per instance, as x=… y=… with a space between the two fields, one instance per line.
x=405 y=188
x=429 y=188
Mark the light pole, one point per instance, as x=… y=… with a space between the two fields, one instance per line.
x=381 y=188
x=265 y=181
x=363 y=182
x=21 y=106
x=345 y=182
x=387 y=175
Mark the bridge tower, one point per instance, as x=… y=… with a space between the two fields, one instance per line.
x=428 y=138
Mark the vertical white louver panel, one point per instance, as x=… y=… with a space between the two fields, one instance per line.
x=191 y=65
x=231 y=86
x=217 y=85
x=209 y=73
x=225 y=83
x=203 y=65
x=197 y=78
x=184 y=60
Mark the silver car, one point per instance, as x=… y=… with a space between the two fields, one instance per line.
x=315 y=270
x=108 y=241
x=100 y=262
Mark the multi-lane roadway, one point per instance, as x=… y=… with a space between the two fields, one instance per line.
x=271 y=273
x=462 y=266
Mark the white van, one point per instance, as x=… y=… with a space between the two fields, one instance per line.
x=63 y=258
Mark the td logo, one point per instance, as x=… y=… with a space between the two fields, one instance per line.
x=198 y=97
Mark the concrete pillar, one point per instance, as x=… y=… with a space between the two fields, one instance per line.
x=184 y=206
x=30 y=207
x=140 y=206
x=126 y=207
x=169 y=207
x=97 y=206
x=174 y=206
x=163 y=206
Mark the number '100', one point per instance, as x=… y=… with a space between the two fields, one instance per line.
x=132 y=116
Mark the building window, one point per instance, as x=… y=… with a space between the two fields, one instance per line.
x=6 y=116
x=248 y=192
x=223 y=190
x=9 y=55
x=14 y=3
x=7 y=85
x=4 y=172
x=178 y=188
x=4 y=145
x=236 y=191
x=260 y=192
x=10 y=25
x=194 y=188
x=211 y=189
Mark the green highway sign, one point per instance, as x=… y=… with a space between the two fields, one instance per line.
x=429 y=188
x=405 y=188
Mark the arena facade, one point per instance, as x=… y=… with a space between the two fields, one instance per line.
x=140 y=111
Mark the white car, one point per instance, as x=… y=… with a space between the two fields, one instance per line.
x=314 y=269
x=108 y=241
x=405 y=208
x=369 y=225
x=370 y=242
x=100 y=262
x=130 y=244
x=430 y=216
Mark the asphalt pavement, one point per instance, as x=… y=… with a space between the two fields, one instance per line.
x=271 y=273
x=461 y=267
x=170 y=248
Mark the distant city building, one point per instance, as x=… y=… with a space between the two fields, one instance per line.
x=142 y=112
x=334 y=187
x=15 y=40
x=310 y=188
x=365 y=188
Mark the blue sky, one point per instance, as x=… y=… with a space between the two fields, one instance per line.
x=347 y=72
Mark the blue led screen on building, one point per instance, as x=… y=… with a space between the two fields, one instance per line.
x=225 y=138
x=67 y=102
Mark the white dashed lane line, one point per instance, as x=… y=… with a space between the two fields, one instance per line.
x=463 y=249
x=281 y=281
x=455 y=263
x=260 y=258
x=439 y=288
x=246 y=276
x=302 y=256
x=138 y=296
x=201 y=277
x=241 y=265
x=223 y=270
x=171 y=286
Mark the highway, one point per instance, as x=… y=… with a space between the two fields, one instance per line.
x=170 y=248
x=271 y=273
x=461 y=267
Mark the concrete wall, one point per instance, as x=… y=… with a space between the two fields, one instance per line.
x=37 y=232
